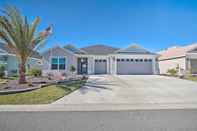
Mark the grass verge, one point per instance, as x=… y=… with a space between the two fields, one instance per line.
x=44 y=95
x=191 y=78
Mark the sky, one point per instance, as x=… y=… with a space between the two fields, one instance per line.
x=153 y=24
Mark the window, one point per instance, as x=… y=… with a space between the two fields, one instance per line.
x=104 y=60
x=54 y=63
x=58 y=63
x=127 y=59
x=118 y=59
x=62 y=63
x=122 y=59
x=145 y=60
x=141 y=60
x=131 y=60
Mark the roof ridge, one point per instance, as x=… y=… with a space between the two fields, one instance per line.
x=99 y=45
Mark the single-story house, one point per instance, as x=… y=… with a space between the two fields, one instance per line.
x=100 y=59
x=182 y=58
x=9 y=60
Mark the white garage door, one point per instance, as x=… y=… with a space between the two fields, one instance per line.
x=100 y=66
x=134 y=66
x=193 y=66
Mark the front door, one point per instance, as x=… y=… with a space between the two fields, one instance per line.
x=82 y=65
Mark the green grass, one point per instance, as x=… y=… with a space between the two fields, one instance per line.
x=44 y=95
x=3 y=81
x=192 y=78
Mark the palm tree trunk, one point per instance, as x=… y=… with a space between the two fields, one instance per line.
x=22 y=78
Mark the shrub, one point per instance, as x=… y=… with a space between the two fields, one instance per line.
x=172 y=72
x=72 y=69
x=2 y=71
x=50 y=76
x=35 y=72
x=14 y=73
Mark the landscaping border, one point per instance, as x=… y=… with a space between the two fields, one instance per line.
x=6 y=92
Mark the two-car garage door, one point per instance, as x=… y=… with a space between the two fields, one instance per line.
x=134 y=66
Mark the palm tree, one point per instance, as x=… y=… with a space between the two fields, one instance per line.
x=20 y=36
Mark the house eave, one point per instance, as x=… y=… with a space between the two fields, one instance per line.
x=172 y=58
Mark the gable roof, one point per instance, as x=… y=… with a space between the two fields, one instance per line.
x=55 y=51
x=133 y=49
x=175 y=52
x=4 y=49
x=99 y=49
x=73 y=49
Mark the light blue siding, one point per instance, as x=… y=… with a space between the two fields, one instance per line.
x=12 y=63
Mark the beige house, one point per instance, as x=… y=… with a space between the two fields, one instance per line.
x=182 y=58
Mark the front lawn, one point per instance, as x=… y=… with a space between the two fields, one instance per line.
x=44 y=95
x=3 y=81
x=192 y=78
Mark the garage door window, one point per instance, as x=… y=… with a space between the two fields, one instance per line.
x=141 y=60
x=127 y=60
x=136 y=60
x=122 y=59
x=118 y=59
x=131 y=59
x=150 y=60
x=145 y=60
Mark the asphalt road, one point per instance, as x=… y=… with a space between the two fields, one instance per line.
x=134 y=120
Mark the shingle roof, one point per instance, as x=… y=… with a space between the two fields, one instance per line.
x=73 y=49
x=7 y=50
x=134 y=49
x=175 y=52
x=99 y=50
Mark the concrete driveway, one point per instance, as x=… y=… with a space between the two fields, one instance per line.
x=136 y=89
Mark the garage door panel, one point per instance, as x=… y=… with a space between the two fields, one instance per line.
x=100 y=67
x=194 y=66
x=134 y=68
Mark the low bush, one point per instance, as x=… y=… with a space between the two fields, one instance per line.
x=172 y=72
x=50 y=76
x=72 y=69
x=35 y=72
x=14 y=73
x=2 y=71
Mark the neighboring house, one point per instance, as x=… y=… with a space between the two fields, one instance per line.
x=183 y=58
x=8 y=58
x=100 y=59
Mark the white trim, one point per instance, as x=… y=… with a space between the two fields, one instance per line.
x=15 y=56
x=3 y=53
x=3 y=50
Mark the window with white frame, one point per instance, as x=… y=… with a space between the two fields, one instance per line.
x=58 y=63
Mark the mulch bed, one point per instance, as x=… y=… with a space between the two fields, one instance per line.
x=31 y=83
